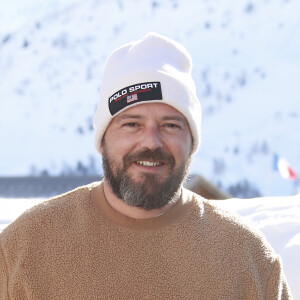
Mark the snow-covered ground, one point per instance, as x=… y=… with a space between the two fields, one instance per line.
x=277 y=217
x=246 y=65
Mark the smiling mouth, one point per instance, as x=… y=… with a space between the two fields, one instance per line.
x=147 y=163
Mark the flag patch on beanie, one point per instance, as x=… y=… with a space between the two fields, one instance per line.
x=146 y=91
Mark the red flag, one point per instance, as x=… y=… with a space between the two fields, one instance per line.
x=284 y=168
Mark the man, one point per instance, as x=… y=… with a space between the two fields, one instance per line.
x=139 y=234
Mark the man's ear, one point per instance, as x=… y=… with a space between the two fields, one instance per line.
x=102 y=145
x=192 y=145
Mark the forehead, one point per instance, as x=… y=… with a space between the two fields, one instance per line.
x=157 y=110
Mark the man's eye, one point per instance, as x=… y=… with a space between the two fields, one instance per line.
x=131 y=124
x=172 y=125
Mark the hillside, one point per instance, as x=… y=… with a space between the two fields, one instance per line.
x=246 y=66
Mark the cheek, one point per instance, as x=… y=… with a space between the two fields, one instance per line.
x=183 y=146
x=117 y=148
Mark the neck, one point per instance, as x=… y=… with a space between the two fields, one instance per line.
x=132 y=211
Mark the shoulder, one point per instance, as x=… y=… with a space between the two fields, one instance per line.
x=218 y=216
x=47 y=214
x=228 y=227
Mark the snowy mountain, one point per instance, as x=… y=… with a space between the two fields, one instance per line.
x=246 y=65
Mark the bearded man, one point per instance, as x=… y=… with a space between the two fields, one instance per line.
x=138 y=234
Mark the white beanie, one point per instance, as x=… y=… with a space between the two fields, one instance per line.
x=153 y=69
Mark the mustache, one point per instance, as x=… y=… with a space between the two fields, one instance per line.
x=155 y=155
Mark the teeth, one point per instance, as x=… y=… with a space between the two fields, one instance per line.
x=149 y=163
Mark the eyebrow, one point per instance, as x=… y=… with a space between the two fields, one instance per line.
x=166 y=118
x=175 y=118
x=127 y=116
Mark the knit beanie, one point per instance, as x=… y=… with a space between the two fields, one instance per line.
x=152 y=69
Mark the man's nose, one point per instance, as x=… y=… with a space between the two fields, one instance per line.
x=151 y=138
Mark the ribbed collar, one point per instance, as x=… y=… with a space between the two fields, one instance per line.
x=175 y=214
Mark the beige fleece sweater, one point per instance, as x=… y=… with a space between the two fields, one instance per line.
x=71 y=248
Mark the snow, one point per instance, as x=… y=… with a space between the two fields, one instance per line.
x=246 y=67
x=277 y=217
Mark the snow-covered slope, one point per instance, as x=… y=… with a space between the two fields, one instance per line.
x=246 y=65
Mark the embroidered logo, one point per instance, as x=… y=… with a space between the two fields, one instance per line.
x=131 y=98
x=146 y=91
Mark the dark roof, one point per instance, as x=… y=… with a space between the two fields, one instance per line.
x=25 y=187
x=48 y=186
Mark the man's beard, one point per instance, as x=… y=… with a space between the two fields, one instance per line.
x=148 y=192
